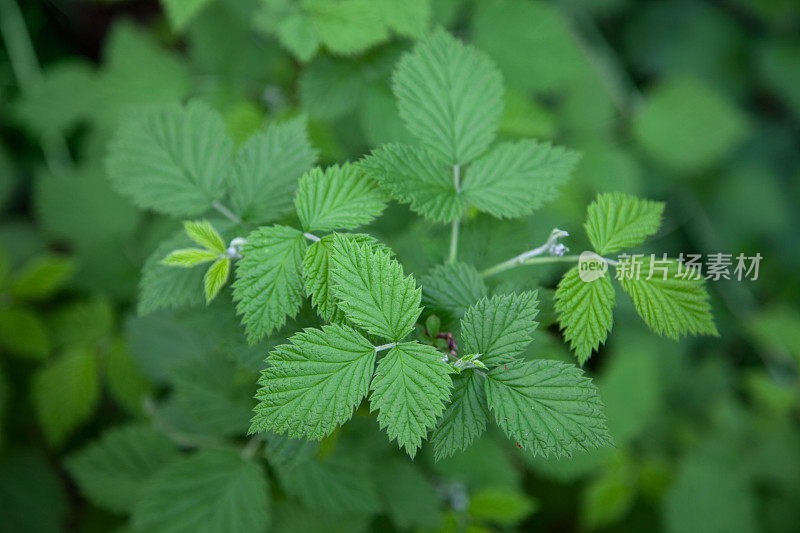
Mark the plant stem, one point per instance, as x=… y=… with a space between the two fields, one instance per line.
x=227 y=213
x=455 y=224
x=251 y=448
x=385 y=346
x=22 y=57
x=511 y=263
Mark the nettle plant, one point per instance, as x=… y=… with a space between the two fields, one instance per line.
x=421 y=381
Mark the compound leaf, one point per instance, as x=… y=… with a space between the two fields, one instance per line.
x=204 y=234
x=337 y=198
x=313 y=384
x=547 y=407
x=371 y=290
x=409 y=390
x=215 y=278
x=615 y=221
x=500 y=327
x=268 y=286
x=450 y=96
x=585 y=311
x=171 y=159
x=516 y=178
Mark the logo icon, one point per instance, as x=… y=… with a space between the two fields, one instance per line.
x=591 y=267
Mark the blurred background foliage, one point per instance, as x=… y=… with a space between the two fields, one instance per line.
x=693 y=102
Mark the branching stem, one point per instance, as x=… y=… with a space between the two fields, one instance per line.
x=227 y=213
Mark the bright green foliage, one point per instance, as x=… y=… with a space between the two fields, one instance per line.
x=267 y=169
x=547 y=407
x=65 y=393
x=688 y=126
x=189 y=257
x=672 y=305
x=501 y=505
x=615 y=221
x=216 y=277
x=409 y=391
x=516 y=178
x=171 y=159
x=499 y=328
x=42 y=276
x=112 y=472
x=452 y=288
x=337 y=198
x=451 y=96
x=22 y=333
x=313 y=384
x=204 y=234
x=415 y=176
x=213 y=490
x=465 y=417
x=585 y=311
x=371 y=290
x=166 y=286
x=268 y=285
x=181 y=12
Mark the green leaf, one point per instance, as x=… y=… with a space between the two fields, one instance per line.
x=181 y=12
x=347 y=26
x=671 y=305
x=450 y=96
x=33 y=494
x=313 y=384
x=166 y=286
x=465 y=417
x=337 y=198
x=112 y=472
x=213 y=490
x=409 y=18
x=452 y=288
x=268 y=166
x=268 y=285
x=585 y=311
x=410 y=498
x=371 y=291
x=414 y=176
x=125 y=383
x=499 y=328
x=331 y=88
x=409 y=391
x=82 y=322
x=516 y=178
x=65 y=393
x=189 y=257
x=216 y=277
x=171 y=159
x=615 y=221
x=204 y=234
x=687 y=126
x=42 y=277
x=501 y=505
x=547 y=407
x=22 y=333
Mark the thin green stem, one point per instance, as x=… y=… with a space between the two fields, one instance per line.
x=456 y=223
x=227 y=213
x=22 y=57
x=514 y=262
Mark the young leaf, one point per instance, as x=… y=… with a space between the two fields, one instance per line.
x=670 y=305
x=189 y=257
x=268 y=285
x=516 y=178
x=171 y=159
x=204 y=234
x=167 y=286
x=371 y=291
x=499 y=328
x=615 y=221
x=112 y=472
x=416 y=177
x=547 y=407
x=409 y=390
x=216 y=277
x=212 y=490
x=450 y=96
x=585 y=312
x=313 y=384
x=465 y=417
x=338 y=198
x=267 y=169
x=452 y=288
x=65 y=393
